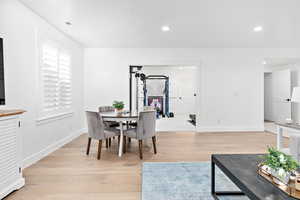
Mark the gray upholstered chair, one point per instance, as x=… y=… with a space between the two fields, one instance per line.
x=103 y=109
x=145 y=129
x=112 y=124
x=149 y=108
x=98 y=131
x=145 y=108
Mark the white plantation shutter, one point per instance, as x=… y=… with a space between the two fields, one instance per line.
x=50 y=78
x=65 y=87
x=56 y=79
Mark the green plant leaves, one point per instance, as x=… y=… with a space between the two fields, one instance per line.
x=278 y=160
x=118 y=105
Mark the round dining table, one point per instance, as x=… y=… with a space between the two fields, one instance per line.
x=125 y=116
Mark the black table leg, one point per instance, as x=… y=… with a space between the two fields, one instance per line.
x=213 y=185
x=213 y=178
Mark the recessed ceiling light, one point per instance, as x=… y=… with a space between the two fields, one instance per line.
x=68 y=23
x=264 y=62
x=165 y=28
x=258 y=29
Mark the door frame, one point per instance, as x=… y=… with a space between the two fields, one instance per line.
x=184 y=62
x=277 y=67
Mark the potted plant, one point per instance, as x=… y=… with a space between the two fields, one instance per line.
x=280 y=165
x=118 y=105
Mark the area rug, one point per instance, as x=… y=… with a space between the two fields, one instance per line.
x=183 y=181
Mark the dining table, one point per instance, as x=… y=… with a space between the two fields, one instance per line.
x=121 y=117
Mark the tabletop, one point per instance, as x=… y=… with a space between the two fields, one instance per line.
x=242 y=169
x=125 y=115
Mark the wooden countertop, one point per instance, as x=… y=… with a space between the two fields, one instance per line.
x=4 y=113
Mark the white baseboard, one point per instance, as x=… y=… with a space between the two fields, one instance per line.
x=230 y=129
x=51 y=148
x=12 y=187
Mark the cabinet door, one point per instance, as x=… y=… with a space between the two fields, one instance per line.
x=9 y=151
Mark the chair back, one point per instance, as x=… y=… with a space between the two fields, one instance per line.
x=95 y=125
x=149 y=108
x=106 y=109
x=146 y=125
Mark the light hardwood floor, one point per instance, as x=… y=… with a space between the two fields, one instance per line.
x=68 y=174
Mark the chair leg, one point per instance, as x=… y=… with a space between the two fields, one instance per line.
x=106 y=143
x=109 y=142
x=118 y=140
x=124 y=145
x=129 y=142
x=154 y=144
x=141 y=149
x=99 y=149
x=88 y=146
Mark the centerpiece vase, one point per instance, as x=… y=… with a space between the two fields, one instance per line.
x=119 y=111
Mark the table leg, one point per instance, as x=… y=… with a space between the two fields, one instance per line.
x=215 y=193
x=279 y=137
x=213 y=184
x=121 y=140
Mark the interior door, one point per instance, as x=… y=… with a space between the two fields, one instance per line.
x=281 y=81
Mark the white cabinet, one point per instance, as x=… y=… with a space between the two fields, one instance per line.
x=10 y=155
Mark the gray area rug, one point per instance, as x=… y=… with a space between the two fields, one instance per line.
x=183 y=181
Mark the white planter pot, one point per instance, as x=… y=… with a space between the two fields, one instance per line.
x=119 y=111
x=282 y=179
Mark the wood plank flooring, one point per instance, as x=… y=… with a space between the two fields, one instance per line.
x=68 y=174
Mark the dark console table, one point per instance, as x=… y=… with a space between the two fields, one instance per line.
x=242 y=171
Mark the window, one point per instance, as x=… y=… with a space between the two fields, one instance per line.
x=56 y=80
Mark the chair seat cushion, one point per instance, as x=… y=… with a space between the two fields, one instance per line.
x=111 y=132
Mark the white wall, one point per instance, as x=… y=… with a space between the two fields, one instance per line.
x=18 y=26
x=231 y=82
x=182 y=86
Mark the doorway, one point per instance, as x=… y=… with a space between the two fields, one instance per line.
x=172 y=90
x=280 y=76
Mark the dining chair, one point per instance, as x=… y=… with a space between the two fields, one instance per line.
x=103 y=109
x=112 y=124
x=98 y=131
x=145 y=129
x=145 y=108
x=149 y=108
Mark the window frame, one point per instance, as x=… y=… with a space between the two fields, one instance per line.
x=60 y=112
